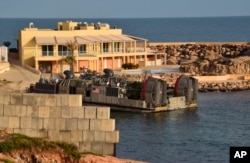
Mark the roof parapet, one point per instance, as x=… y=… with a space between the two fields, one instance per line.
x=70 y=25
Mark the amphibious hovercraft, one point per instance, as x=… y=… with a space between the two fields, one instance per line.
x=151 y=95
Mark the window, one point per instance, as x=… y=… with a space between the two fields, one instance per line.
x=116 y=47
x=47 y=50
x=63 y=50
x=82 y=49
x=105 y=47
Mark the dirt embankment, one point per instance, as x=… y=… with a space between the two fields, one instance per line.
x=19 y=148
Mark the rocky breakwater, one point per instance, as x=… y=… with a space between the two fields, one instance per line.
x=210 y=59
x=224 y=86
x=203 y=86
x=207 y=58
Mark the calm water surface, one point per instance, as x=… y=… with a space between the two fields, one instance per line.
x=194 y=135
x=153 y=29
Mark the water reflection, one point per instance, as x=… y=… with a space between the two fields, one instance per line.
x=140 y=134
x=189 y=135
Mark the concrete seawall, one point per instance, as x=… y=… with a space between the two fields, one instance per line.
x=59 y=117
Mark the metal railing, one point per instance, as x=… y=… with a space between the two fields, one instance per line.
x=91 y=53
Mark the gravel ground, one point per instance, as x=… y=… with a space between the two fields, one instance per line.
x=17 y=79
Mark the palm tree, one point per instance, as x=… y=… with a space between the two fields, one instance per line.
x=72 y=46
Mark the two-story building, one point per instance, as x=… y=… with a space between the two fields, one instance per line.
x=98 y=46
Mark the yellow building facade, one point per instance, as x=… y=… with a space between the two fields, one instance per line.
x=98 y=46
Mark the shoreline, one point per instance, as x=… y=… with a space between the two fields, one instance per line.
x=179 y=50
x=199 y=43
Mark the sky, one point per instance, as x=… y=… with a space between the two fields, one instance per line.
x=122 y=8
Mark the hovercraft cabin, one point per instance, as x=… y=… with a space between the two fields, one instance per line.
x=98 y=46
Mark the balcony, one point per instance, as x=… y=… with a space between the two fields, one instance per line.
x=64 y=53
x=47 y=53
x=87 y=54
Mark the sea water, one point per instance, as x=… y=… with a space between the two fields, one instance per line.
x=153 y=29
x=197 y=135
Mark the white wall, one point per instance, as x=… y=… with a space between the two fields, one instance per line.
x=3 y=54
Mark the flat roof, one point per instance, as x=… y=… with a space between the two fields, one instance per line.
x=86 y=39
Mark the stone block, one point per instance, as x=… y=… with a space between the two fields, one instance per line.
x=97 y=147
x=4 y=122
x=10 y=110
x=108 y=125
x=109 y=149
x=62 y=100
x=30 y=132
x=76 y=135
x=43 y=111
x=14 y=122
x=28 y=99
x=77 y=112
x=49 y=123
x=90 y=112
x=16 y=98
x=95 y=124
x=99 y=136
x=46 y=123
x=54 y=135
x=83 y=124
x=32 y=111
x=19 y=131
x=5 y=98
x=112 y=137
x=87 y=136
x=60 y=123
x=22 y=109
x=72 y=124
x=55 y=112
x=37 y=123
x=41 y=133
x=81 y=112
x=75 y=100
x=64 y=135
x=66 y=112
x=39 y=99
x=26 y=122
x=51 y=100
x=1 y=109
x=85 y=147
x=103 y=112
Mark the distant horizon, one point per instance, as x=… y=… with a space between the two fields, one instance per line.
x=114 y=9
x=121 y=17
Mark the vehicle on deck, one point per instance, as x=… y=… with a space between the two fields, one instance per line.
x=151 y=95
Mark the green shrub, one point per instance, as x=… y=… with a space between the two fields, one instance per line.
x=247 y=62
x=130 y=66
x=5 y=160
x=19 y=141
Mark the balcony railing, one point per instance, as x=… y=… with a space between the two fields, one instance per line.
x=91 y=53
x=87 y=54
x=133 y=50
x=47 y=53
x=64 y=53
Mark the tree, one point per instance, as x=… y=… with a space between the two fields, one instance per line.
x=72 y=46
x=6 y=43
